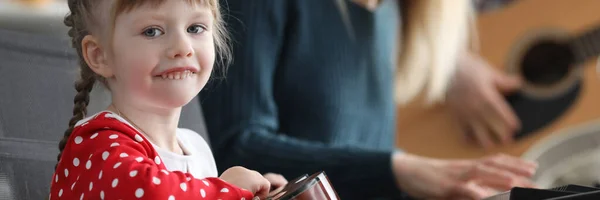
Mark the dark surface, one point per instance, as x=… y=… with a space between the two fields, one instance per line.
x=547 y=62
x=538 y=113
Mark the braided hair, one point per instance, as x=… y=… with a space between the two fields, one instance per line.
x=87 y=78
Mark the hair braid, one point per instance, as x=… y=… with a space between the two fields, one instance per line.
x=87 y=78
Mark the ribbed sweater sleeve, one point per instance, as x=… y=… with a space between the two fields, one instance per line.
x=242 y=114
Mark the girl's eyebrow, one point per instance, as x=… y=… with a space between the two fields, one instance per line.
x=202 y=13
x=146 y=17
x=157 y=16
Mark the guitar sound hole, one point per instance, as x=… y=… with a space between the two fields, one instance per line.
x=546 y=62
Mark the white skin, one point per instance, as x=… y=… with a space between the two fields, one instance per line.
x=147 y=41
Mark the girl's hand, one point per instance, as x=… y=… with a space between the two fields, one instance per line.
x=460 y=179
x=276 y=180
x=247 y=179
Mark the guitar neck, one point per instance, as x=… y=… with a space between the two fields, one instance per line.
x=586 y=45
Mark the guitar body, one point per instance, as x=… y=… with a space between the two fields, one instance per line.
x=504 y=34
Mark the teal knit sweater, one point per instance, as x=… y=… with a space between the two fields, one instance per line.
x=303 y=96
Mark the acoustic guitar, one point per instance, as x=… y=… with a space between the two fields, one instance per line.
x=554 y=45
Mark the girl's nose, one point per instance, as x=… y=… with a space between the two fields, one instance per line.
x=180 y=47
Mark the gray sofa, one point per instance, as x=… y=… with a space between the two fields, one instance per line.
x=37 y=74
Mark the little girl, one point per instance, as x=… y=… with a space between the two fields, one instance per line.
x=154 y=56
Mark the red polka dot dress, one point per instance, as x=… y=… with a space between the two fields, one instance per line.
x=105 y=158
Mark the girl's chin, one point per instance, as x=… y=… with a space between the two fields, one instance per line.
x=175 y=100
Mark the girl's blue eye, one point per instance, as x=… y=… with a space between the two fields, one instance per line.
x=152 y=32
x=196 y=28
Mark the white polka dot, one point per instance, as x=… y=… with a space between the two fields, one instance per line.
x=133 y=173
x=94 y=136
x=114 y=144
x=88 y=164
x=115 y=183
x=139 y=193
x=101 y=194
x=60 y=193
x=165 y=172
x=183 y=186
x=113 y=136
x=105 y=155
x=157 y=160
x=138 y=138
x=110 y=115
x=188 y=178
x=81 y=198
x=205 y=182
x=90 y=156
x=56 y=178
x=66 y=172
x=224 y=190
x=123 y=155
x=171 y=197
x=78 y=140
x=100 y=175
x=156 y=181
x=76 y=162
x=91 y=186
x=203 y=193
x=73 y=186
x=117 y=165
x=139 y=159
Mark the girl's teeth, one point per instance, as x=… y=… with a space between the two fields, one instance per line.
x=178 y=75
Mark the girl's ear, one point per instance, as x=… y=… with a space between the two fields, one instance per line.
x=95 y=56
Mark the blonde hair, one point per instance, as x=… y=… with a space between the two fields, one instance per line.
x=434 y=34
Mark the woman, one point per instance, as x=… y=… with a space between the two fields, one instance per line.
x=312 y=88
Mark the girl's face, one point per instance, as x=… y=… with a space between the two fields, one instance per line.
x=162 y=56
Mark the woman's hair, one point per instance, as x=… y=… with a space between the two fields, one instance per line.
x=83 y=20
x=434 y=34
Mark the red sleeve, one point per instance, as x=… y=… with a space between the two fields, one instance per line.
x=110 y=164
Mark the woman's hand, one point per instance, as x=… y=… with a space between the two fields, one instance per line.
x=429 y=178
x=477 y=99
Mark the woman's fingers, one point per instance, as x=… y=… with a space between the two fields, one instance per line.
x=512 y=164
x=480 y=133
x=491 y=177
x=501 y=172
x=502 y=119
